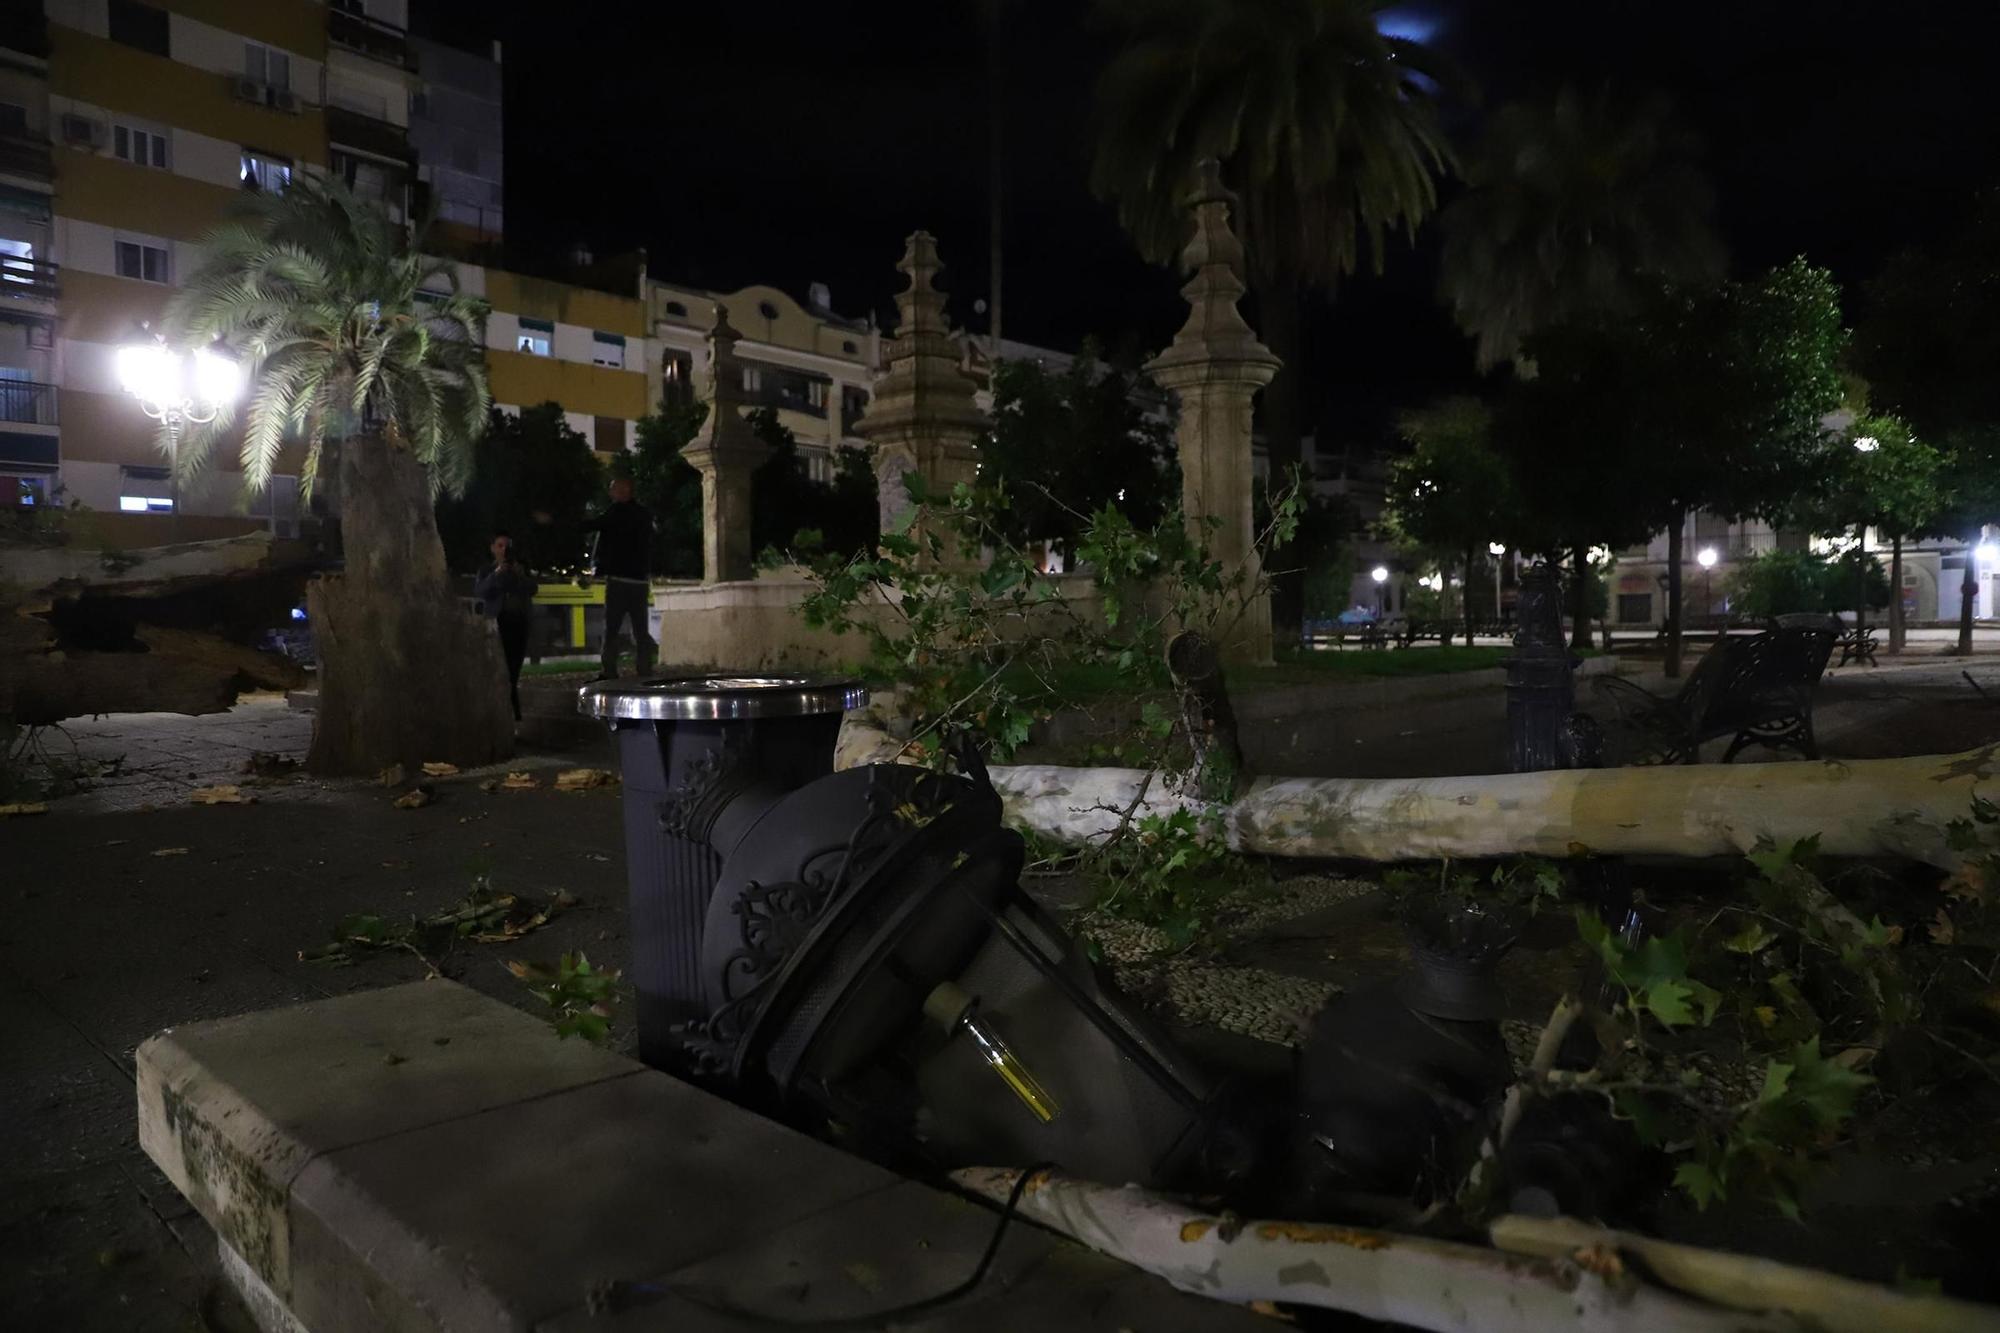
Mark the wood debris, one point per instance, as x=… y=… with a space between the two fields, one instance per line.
x=584 y=779
x=227 y=793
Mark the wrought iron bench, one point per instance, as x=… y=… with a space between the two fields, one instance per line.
x=1756 y=688
x=1857 y=644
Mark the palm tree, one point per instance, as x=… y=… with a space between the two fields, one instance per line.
x=328 y=304
x=1575 y=210
x=1326 y=131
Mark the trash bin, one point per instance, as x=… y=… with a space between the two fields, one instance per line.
x=687 y=747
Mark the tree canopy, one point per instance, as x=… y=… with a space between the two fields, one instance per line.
x=529 y=463
x=1573 y=209
x=1453 y=492
x=1066 y=443
x=346 y=328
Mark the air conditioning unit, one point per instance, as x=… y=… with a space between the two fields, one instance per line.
x=284 y=99
x=82 y=132
x=246 y=89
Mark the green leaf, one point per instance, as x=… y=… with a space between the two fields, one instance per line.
x=1668 y=1001
x=1752 y=939
x=1777 y=1079
x=1702 y=1184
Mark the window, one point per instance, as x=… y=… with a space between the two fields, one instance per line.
x=143 y=260
x=420 y=105
x=263 y=171
x=607 y=435
x=1635 y=608
x=24 y=490
x=13 y=119
x=816 y=394
x=767 y=310
x=140 y=26
x=607 y=349
x=676 y=379
x=849 y=347
x=368 y=179
x=677 y=310
x=145 y=490
x=753 y=379
x=537 y=336
x=267 y=65
x=142 y=148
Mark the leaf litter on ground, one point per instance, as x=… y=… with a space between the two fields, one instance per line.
x=483 y=916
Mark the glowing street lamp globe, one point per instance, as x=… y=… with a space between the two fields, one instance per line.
x=1867 y=444
x=1496 y=548
x=1380 y=573
x=179 y=390
x=1707 y=558
x=1988 y=553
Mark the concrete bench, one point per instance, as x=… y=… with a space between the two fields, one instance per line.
x=425 y=1158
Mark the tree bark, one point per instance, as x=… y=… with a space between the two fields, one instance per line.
x=1676 y=535
x=407 y=674
x=1895 y=596
x=1579 y=597
x=1862 y=807
x=1404 y=1280
x=1968 y=589
x=1278 y=308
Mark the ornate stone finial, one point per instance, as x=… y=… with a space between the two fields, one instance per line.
x=921 y=305
x=725 y=370
x=1213 y=241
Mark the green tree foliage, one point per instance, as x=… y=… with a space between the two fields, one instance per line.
x=1701 y=399
x=1453 y=492
x=528 y=463
x=790 y=510
x=1574 y=209
x=1777 y=583
x=1069 y=442
x=1327 y=132
x=667 y=486
x=319 y=293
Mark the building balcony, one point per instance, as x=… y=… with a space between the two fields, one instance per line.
x=27 y=403
x=24 y=29
x=370 y=37
x=26 y=155
x=347 y=127
x=27 y=279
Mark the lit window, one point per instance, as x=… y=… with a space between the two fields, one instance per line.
x=144 y=504
x=753 y=379
x=261 y=171
x=147 y=263
x=537 y=337
x=267 y=65
x=816 y=393
x=608 y=349
x=145 y=490
x=143 y=148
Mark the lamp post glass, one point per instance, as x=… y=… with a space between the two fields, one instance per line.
x=176 y=390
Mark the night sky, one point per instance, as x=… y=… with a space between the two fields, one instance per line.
x=798 y=142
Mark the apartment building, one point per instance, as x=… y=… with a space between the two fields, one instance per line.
x=814 y=367
x=28 y=402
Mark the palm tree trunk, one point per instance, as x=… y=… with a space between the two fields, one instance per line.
x=1579 y=597
x=1278 y=308
x=1895 y=595
x=1676 y=535
x=406 y=673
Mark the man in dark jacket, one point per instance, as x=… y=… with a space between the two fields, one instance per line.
x=624 y=561
x=505 y=590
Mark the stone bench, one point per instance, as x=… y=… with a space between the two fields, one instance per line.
x=425 y=1158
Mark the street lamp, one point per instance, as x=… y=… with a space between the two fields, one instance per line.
x=1867 y=444
x=1496 y=550
x=1381 y=576
x=1706 y=559
x=178 y=391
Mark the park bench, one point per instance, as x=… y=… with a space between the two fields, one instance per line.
x=1857 y=644
x=1756 y=688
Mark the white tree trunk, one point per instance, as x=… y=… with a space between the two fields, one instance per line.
x=1422 y=1283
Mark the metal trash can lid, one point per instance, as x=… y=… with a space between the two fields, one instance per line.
x=718 y=697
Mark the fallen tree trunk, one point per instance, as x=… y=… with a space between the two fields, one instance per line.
x=1871 y=807
x=1867 y=807
x=1410 y=1280
x=1823 y=1300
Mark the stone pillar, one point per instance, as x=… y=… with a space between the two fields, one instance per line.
x=727 y=454
x=922 y=417
x=1215 y=366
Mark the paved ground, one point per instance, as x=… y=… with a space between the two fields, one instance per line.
x=127 y=909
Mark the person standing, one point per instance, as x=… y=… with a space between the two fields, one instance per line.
x=505 y=590
x=624 y=561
